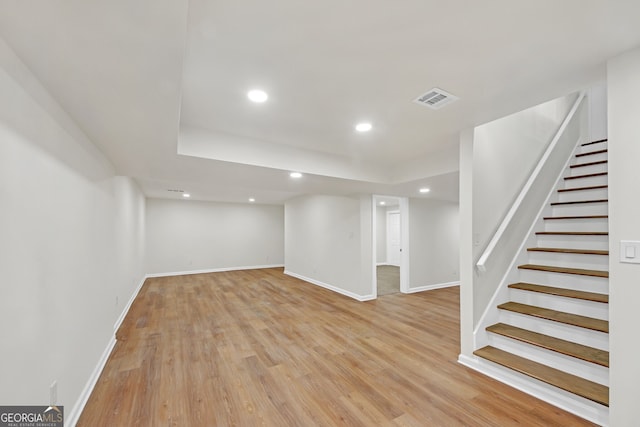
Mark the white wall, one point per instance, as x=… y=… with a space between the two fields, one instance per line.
x=597 y=98
x=188 y=235
x=434 y=228
x=381 y=234
x=326 y=242
x=71 y=245
x=505 y=152
x=624 y=224
x=467 y=260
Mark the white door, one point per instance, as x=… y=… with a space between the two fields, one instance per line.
x=393 y=238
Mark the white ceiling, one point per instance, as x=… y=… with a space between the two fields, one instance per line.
x=160 y=86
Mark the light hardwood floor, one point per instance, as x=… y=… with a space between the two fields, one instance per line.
x=258 y=348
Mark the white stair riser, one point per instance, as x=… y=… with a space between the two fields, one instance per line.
x=577 y=242
x=589 y=224
x=570 y=281
x=571 y=365
x=572 y=196
x=592 y=147
x=555 y=329
x=581 y=209
x=585 y=182
x=597 y=310
x=591 y=157
x=587 y=170
x=591 y=262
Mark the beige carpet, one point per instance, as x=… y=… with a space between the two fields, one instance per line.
x=388 y=279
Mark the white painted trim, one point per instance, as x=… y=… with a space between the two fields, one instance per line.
x=331 y=287
x=432 y=287
x=74 y=415
x=374 y=245
x=126 y=308
x=213 y=270
x=577 y=405
x=532 y=178
x=382 y=264
x=405 y=243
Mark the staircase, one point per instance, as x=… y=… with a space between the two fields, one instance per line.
x=554 y=328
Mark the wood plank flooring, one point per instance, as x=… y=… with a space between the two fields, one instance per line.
x=258 y=348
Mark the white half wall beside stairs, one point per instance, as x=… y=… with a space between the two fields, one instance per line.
x=545 y=330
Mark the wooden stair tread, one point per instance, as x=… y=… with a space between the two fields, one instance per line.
x=557 y=316
x=579 y=351
x=591 y=153
x=562 y=292
x=580 y=202
x=565 y=270
x=589 y=175
x=594 y=142
x=580 y=165
x=577 y=217
x=593 y=187
x=570 y=251
x=588 y=389
x=573 y=233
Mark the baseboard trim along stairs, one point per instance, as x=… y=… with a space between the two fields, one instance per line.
x=553 y=330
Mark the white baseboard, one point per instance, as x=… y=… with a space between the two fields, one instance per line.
x=126 y=308
x=331 y=287
x=72 y=419
x=213 y=270
x=564 y=400
x=432 y=287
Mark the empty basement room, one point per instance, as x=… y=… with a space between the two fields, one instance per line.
x=198 y=197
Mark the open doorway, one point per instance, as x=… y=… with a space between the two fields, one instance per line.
x=390 y=245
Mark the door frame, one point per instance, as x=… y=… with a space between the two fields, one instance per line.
x=389 y=213
x=403 y=207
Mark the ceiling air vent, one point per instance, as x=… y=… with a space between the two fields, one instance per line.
x=435 y=98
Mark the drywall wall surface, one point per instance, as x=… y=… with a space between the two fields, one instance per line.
x=188 y=235
x=467 y=261
x=505 y=152
x=624 y=224
x=323 y=241
x=434 y=227
x=64 y=218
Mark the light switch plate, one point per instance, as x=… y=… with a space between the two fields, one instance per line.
x=630 y=251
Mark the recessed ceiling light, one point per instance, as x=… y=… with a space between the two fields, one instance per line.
x=295 y=175
x=257 y=95
x=363 y=127
x=383 y=203
x=424 y=190
x=252 y=200
x=186 y=195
